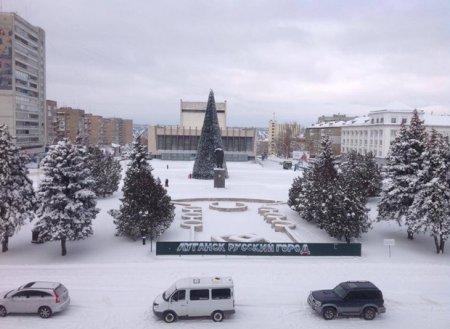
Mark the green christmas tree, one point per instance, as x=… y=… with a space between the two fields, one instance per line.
x=210 y=141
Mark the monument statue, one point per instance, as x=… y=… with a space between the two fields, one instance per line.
x=218 y=154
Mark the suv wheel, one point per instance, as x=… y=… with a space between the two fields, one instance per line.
x=3 y=311
x=369 y=313
x=45 y=312
x=170 y=317
x=328 y=313
x=217 y=316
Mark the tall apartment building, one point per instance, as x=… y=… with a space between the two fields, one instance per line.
x=117 y=131
x=93 y=128
x=22 y=80
x=107 y=138
x=126 y=132
x=52 y=122
x=70 y=123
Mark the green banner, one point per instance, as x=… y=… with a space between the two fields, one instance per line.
x=258 y=249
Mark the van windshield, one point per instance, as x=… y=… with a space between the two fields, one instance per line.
x=168 y=293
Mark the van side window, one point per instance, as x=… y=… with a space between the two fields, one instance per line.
x=220 y=293
x=199 y=294
x=179 y=295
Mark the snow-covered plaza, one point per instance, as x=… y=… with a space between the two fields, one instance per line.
x=113 y=280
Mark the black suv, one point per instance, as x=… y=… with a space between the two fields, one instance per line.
x=348 y=298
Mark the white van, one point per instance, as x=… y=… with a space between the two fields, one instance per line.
x=191 y=297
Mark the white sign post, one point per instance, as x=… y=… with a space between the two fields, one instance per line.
x=389 y=242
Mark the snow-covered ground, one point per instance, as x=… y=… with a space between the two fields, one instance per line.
x=113 y=280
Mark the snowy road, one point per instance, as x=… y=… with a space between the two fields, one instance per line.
x=112 y=281
x=269 y=292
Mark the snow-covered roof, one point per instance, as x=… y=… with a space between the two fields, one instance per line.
x=397 y=106
x=328 y=124
x=436 y=109
x=336 y=124
x=357 y=121
x=435 y=120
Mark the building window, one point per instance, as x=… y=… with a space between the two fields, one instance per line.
x=393 y=120
x=404 y=120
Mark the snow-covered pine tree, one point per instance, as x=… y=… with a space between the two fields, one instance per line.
x=351 y=170
x=318 y=180
x=308 y=199
x=106 y=172
x=17 y=198
x=66 y=201
x=371 y=176
x=362 y=172
x=146 y=209
x=210 y=140
x=401 y=172
x=113 y=170
x=294 y=193
x=345 y=208
x=430 y=210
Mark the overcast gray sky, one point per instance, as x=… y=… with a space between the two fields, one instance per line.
x=295 y=59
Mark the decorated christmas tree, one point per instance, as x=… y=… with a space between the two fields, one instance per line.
x=210 y=141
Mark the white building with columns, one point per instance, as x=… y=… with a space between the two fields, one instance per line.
x=375 y=132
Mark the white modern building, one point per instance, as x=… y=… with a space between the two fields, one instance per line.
x=22 y=80
x=375 y=132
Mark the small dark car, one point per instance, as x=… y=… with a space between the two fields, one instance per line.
x=351 y=298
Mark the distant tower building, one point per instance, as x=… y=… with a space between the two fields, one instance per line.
x=273 y=134
x=22 y=80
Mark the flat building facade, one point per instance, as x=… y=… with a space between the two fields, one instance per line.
x=193 y=113
x=181 y=142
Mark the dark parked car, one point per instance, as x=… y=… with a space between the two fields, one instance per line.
x=351 y=298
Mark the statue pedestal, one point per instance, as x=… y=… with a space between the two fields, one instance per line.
x=219 y=177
